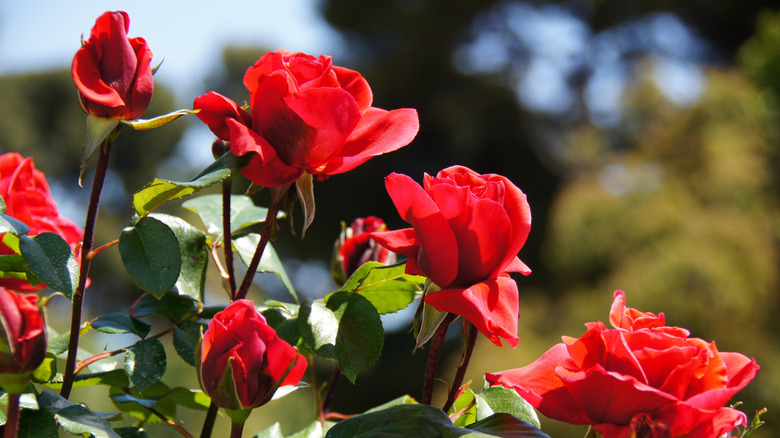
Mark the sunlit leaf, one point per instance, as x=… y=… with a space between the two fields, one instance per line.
x=145 y=363
x=194 y=255
x=49 y=257
x=151 y=255
x=269 y=262
x=388 y=288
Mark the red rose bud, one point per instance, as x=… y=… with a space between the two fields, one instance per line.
x=112 y=72
x=243 y=361
x=22 y=339
x=355 y=247
x=640 y=378
x=307 y=116
x=27 y=198
x=466 y=232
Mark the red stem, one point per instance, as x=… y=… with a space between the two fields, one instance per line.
x=12 y=417
x=471 y=341
x=270 y=222
x=86 y=247
x=236 y=430
x=437 y=341
x=208 y=423
x=227 y=189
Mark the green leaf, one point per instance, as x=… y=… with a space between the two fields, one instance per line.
x=360 y=334
x=497 y=399
x=13 y=226
x=3 y=207
x=76 y=419
x=243 y=212
x=466 y=405
x=431 y=319
x=145 y=124
x=115 y=323
x=136 y=404
x=194 y=255
x=150 y=253
x=38 y=424
x=273 y=431
x=185 y=339
x=59 y=344
x=305 y=188
x=160 y=191
x=50 y=259
x=505 y=425
x=269 y=262
x=116 y=378
x=171 y=306
x=145 y=363
x=98 y=129
x=419 y=421
x=13 y=266
x=313 y=430
x=319 y=328
x=46 y=370
x=402 y=400
x=189 y=398
x=388 y=288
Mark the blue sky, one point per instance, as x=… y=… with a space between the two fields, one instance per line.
x=41 y=34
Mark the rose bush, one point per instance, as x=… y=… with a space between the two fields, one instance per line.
x=22 y=337
x=466 y=232
x=28 y=199
x=307 y=116
x=112 y=72
x=640 y=379
x=355 y=247
x=243 y=361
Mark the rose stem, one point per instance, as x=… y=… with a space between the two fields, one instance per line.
x=334 y=378
x=208 y=423
x=471 y=340
x=270 y=222
x=236 y=429
x=227 y=190
x=86 y=248
x=433 y=358
x=12 y=417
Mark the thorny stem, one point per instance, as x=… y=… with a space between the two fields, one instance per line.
x=227 y=189
x=86 y=248
x=270 y=223
x=331 y=386
x=437 y=341
x=102 y=355
x=12 y=418
x=471 y=340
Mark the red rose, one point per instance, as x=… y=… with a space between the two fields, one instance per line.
x=27 y=198
x=640 y=379
x=466 y=232
x=307 y=116
x=112 y=72
x=355 y=248
x=243 y=361
x=23 y=336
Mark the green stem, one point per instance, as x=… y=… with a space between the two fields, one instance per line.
x=86 y=247
x=227 y=190
x=270 y=223
x=437 y=341
x=208 y=423
x=471 y=340
x=12 y=417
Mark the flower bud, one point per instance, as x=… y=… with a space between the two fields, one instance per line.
x=355 y=247
x=22 y=339
x=243 y=361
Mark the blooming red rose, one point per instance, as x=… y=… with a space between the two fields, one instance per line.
x=640 y=379
x=22 y=336
x=27 y=198
x=307 y=116
x=112 y=72
x=466 y=232
x=355 y=247
x=243 y=361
